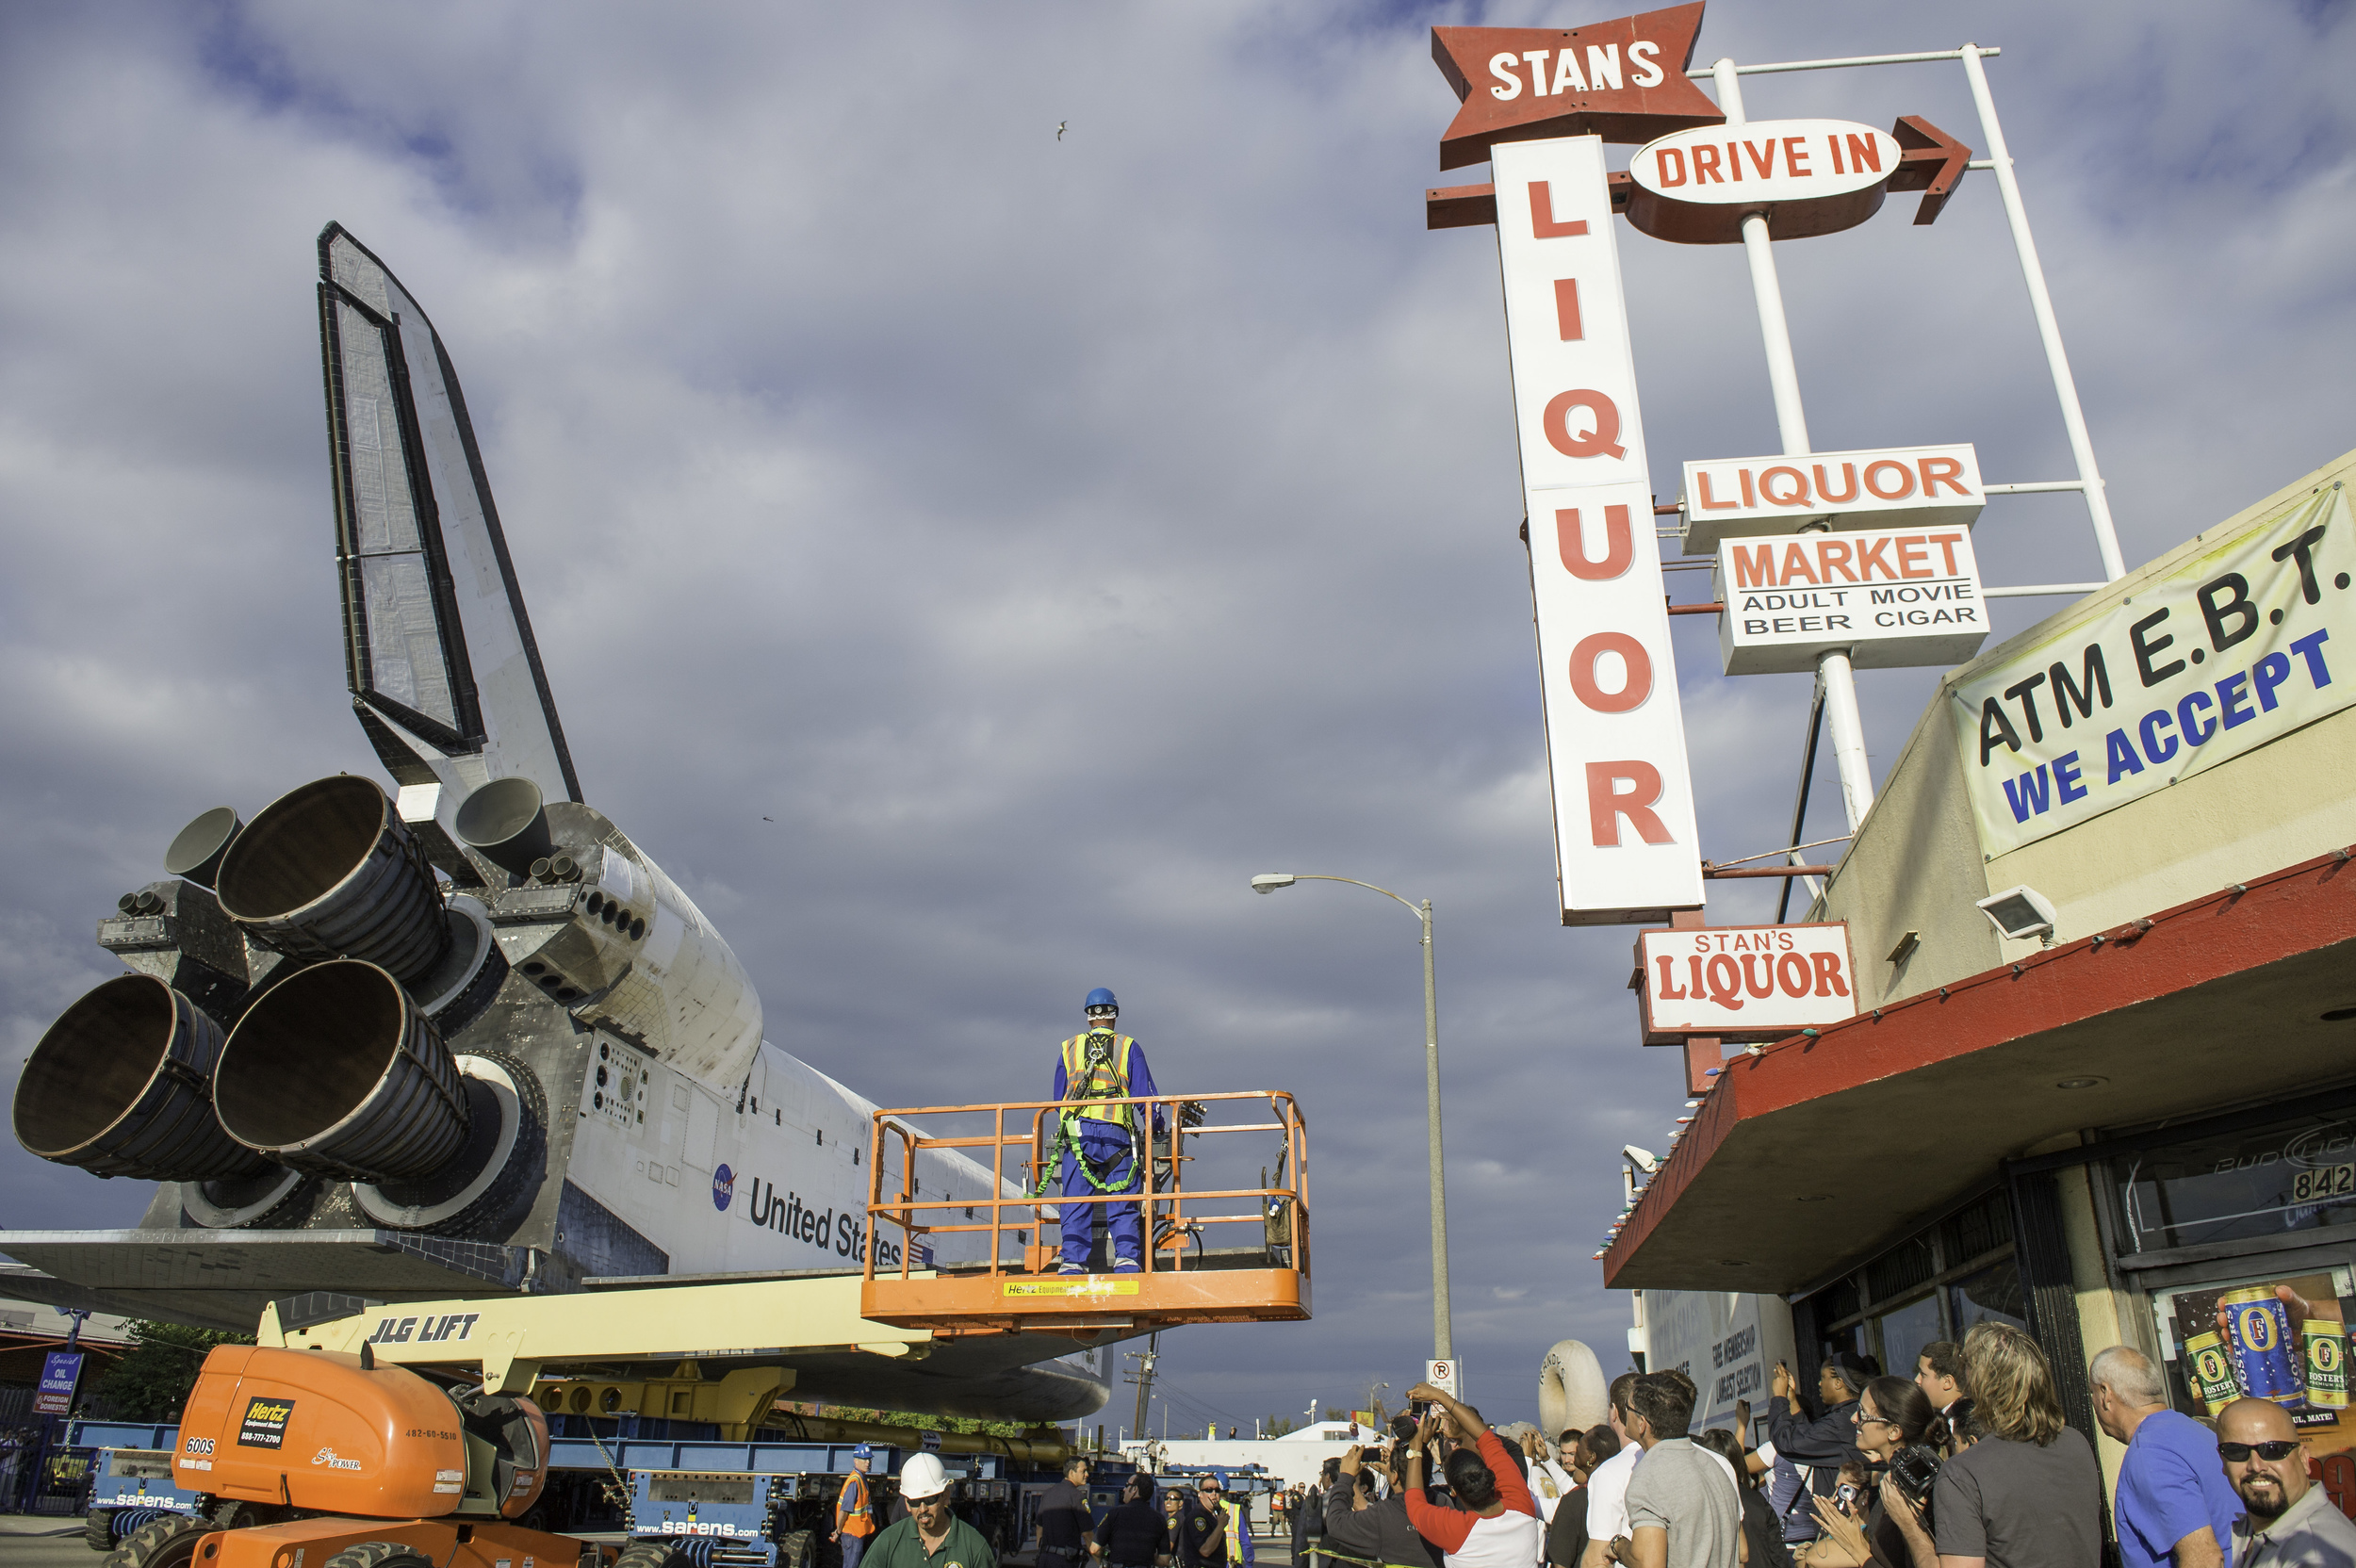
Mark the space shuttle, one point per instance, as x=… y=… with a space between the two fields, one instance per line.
x=459 y=1037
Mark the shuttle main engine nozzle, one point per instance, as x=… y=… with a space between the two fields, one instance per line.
x=335 y=1070
x=122 y=1086
x=329 y=871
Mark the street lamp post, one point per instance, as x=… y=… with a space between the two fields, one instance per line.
x=1442 y=1340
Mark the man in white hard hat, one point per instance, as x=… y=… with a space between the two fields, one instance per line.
x=931 y=1536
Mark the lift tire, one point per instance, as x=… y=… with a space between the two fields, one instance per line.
x=798 y=1549
x=379 y=1553
x=98 y=1531
x=166 y=1543
x=643 y=1554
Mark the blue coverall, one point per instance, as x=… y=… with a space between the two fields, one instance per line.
x=1112 y=1158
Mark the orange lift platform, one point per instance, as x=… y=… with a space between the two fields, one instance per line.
x=1009 y=1280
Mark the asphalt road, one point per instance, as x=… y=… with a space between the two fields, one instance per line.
x=63 y=1550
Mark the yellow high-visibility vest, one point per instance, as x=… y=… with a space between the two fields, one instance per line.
x=1089 y=1086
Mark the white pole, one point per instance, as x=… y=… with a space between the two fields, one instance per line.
x=1848 y=735
x=2041 y=305
x=1783 y=377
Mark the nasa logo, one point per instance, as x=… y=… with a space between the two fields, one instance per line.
x=723 y=1188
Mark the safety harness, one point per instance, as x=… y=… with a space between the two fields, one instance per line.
x=1095 y=1068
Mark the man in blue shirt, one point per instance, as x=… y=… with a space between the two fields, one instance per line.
x=2175 y=1505
x=1102 y=1145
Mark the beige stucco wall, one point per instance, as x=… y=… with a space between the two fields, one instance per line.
x=1916 y=864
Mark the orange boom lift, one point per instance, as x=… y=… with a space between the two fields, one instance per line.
x=324 y=1460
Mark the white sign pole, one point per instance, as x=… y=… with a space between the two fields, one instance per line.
x=1833 y=673
x=2041 y=306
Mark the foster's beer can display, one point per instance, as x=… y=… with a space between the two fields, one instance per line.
x=2325 y=1360
x=2258 y=1335
x=2210 y=1372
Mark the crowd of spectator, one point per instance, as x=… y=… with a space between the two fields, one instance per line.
x=1968 y=1463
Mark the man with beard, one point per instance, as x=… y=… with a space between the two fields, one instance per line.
x=2289 y=1523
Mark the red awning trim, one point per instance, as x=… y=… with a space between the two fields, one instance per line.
x=2295 y=911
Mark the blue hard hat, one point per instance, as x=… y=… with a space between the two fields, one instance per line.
x=862 y=1451
x=1099 y=997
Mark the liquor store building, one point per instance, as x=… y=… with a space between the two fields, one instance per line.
x=2100 y=1130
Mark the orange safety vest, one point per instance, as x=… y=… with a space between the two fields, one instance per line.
x=858 y=1514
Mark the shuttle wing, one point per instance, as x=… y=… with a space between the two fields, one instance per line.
x=438 y=651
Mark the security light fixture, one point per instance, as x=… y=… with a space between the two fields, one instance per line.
x=2020 y=913
x=1643 y=1160
x=1268 y=881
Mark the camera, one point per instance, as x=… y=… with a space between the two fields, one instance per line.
x=1915 y=1469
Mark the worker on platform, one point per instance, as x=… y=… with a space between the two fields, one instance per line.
x=1103 y=1144
x=855 y=1509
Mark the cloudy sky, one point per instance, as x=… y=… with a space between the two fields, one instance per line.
x=1048 y=535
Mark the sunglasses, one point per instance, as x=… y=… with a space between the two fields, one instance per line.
x=2240 y=1452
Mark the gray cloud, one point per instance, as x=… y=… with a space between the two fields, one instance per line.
x=1049 y=535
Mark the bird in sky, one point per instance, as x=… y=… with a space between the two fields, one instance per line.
x=768 y=819
x=1059 y=128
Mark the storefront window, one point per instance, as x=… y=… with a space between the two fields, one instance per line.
x=1932 y=1285
x=1991 y=1295
x=1905 y=1331
x=2295 y=1175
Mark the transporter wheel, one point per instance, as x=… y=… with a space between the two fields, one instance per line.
x=643 y=1554
x=798 y=1549
x=379 y=1553
x=166 y=1543
x=98 y=1530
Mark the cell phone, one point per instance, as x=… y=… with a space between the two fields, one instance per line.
x=1417 y=1407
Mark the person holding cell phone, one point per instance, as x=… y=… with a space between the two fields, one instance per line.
x=1899 y=1436
x=1495 y=1521
x=1815 y=1448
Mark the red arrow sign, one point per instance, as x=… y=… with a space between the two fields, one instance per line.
x=1623 y=80
x=1934 y=161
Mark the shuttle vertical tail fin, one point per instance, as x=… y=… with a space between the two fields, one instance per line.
x=439 y=655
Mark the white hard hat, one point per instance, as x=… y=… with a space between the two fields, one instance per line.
x=922 y=1476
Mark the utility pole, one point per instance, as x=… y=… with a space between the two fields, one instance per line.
x=1143 y=1375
